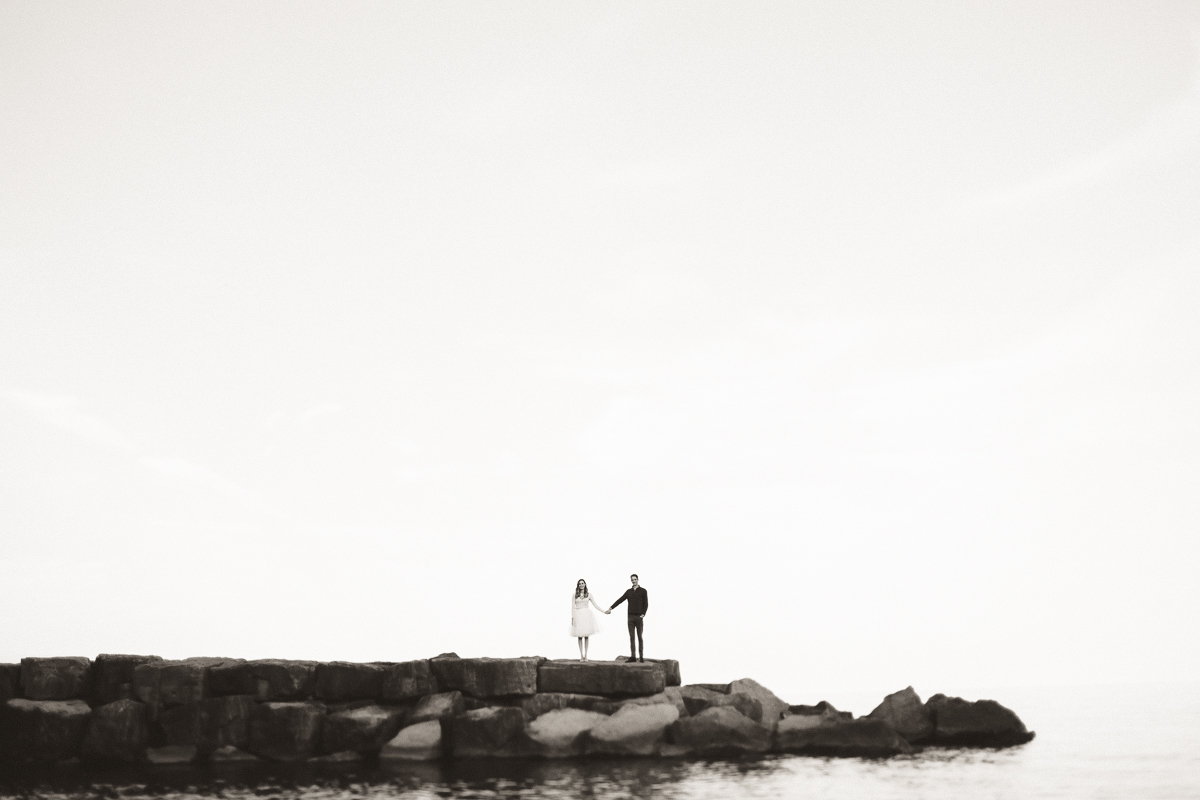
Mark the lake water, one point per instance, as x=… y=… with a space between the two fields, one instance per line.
x=1131 y=743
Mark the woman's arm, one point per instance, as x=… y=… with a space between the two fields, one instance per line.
x=592 y=598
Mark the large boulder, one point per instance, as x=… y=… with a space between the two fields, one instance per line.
x=286 y=731
x=610 y=678
x=42 y=730
x=772 y=707
x=112 y=677
x=361 y=730
x=172 y=754
x=231 y=677
x=716 y=731
x=437 y=706
x=408 y=679
x=561 y=733
x=117 y=731
x=487 y=677
x=632 y=731
x=983 y=723
x=339 y=681
x=487 y=732
x=420 y=742
x=905 y=712
x=63 y=678
x=697 y=698
x=670 y=668
x=170 y=683
x=277 y=680
x=10 y=682
x=210 y=724
x=672 y=695
x=868 y=738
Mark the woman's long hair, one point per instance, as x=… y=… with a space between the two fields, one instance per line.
x=581 y=591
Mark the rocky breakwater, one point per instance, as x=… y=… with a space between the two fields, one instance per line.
x=146 y=710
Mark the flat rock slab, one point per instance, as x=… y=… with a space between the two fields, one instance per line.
x=632 y=731
x=487 y=677
x=172 y=754
x=982 y=723
x=282 y=680
x=339 y=681
x=42 y=730
x=361 y=730
x=419 y=742
x=609 y=678
x=117 y=731
x=230 y=677
x=697 y=699
x=112 y=677
x=405 y=680
x=717 y=731
x=669 y=666
x=63 y=678
x=905 y=712
x=286 y=731
x=865 y=738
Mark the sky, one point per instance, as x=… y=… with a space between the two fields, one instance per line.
x=865 y=333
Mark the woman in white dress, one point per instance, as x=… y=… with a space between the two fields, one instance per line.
x=583 y=622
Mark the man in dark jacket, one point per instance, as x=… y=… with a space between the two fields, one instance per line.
x=639 y=602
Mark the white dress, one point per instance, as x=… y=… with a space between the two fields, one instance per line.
x=583 y=621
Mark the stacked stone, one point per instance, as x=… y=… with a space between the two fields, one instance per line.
x=142 y=709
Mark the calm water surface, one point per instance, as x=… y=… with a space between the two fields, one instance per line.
x=1140 y=743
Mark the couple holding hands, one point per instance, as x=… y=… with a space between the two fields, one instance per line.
x=583 y=623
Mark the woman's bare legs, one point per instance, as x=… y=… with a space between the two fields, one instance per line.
x=580 y=640
x=585 y=647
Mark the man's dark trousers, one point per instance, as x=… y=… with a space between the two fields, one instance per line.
x=635 y=624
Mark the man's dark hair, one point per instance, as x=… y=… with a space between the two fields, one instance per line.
x=634 y=575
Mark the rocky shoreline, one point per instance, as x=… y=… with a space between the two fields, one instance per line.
x=146 y=710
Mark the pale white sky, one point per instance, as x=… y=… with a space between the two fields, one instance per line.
x=865 y=333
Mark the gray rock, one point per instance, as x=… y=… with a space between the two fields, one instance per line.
x=721 y=688
x=10 y=682
x=487 y=732
x=42 y=730
x=823 y=709
x=487 y=677
x=210 y=724
x=983 y=723
x=280 y=680
x=286 y=731
x=231 y=754
x=172 y=754
x=437 y=706
x=345 y=680
x=609 y=678
x=561 y=733
x=717 y=731
x=362 y=730
x=338 y=758
x=117 y=731
x=232 y=677
x=63 y=678
x=408 y=679
x=867 y=738
x=169 y=683
x=112 y=677
x=697 y=699
x=632 y=731
x=905 y=712
x=419 y=742
x=669 y=666
x=772 y=707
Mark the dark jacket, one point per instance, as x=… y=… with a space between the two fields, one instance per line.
x=639 y=601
